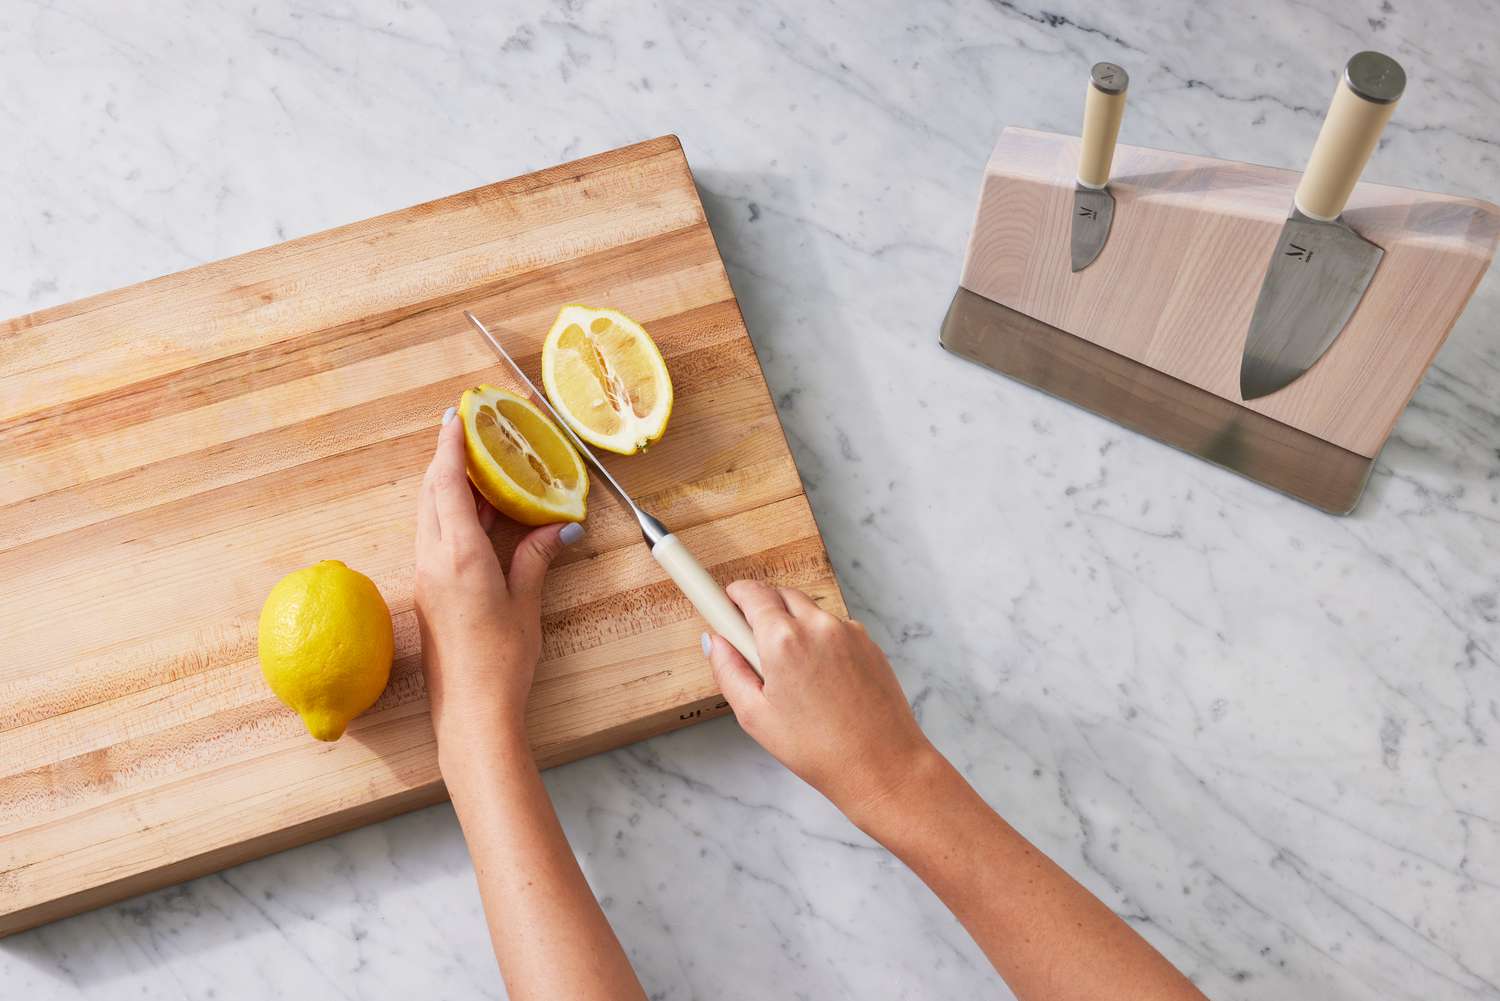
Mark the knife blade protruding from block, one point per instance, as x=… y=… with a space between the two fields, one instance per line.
x=1093 y=205
x=1321 y=267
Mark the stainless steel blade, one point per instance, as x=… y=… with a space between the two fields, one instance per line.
x=1317 y=275
x=653 y=530
x=1093 y=211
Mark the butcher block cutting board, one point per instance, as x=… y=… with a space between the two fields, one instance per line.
x=169 y=450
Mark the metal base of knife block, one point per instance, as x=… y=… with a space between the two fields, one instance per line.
x=1152 y=403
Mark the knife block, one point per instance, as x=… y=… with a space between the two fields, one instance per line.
x=1151 y=333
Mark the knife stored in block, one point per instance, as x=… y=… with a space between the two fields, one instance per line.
x=1093 y=205
x=1321 y=267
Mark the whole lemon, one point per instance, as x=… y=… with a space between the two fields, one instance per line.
x=326 y=644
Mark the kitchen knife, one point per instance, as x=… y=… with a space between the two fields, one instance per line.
x=1321 y=267
x=668 y=550
x=1093 y=205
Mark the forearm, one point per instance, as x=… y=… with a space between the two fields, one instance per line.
x=550 y=936
x=1047 y=936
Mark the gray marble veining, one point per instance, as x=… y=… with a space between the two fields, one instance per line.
x=1266 y=736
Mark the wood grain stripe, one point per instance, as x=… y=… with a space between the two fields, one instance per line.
x=115 y=339
x=528 y=300
x=709 y=355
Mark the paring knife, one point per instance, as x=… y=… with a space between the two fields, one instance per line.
x=1093 y=205
x=701 y=589
x=1321 y=267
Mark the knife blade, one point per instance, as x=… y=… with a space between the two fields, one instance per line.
x=670 y=552
x=1320 y=267
x=1093 y=205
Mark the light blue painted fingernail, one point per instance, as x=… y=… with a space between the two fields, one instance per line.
x=706 y=644
x=570 y=533
x=449 y=414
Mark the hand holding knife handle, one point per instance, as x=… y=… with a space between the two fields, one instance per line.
x=1102 y=110
x=707 y=596
x=1363 y=101
x=673 y=556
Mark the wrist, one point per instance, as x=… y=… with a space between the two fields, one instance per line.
x=922 y=773
x=472 y=741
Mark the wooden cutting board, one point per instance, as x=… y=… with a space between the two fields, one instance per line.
x=169 y=450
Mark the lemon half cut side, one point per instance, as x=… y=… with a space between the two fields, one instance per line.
x=607 y=378
x=520 y=460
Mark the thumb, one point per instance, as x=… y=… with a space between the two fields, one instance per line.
x=534 y=554
x=738 y=681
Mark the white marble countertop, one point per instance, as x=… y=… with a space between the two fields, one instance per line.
x=1269 y=737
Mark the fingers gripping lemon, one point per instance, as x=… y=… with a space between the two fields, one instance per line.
x=326 y=644
x=606 y=377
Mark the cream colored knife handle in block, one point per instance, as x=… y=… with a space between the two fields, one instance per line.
x=1362 y=103
x=1102 y=110
x=707 y=596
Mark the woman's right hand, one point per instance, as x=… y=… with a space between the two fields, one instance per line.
x=830 y=708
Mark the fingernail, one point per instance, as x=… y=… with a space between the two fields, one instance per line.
x=571 y=533
x=449 y=414
x=706 y=644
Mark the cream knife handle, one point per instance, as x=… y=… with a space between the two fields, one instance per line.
x=1102 y=110
x=1362 y=103
x=707 y=596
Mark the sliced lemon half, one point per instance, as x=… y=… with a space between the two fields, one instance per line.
x=521 y=462
x=607 y=379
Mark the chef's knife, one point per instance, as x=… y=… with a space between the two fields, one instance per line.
x=1093 y=205
x=1321 y=267
x=668 y=550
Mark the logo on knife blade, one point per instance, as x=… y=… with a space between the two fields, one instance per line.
x=1300 y=253
x=1087 y=212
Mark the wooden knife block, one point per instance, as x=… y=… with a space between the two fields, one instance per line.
x=1161 y=316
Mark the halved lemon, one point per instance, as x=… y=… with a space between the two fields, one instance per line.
x=521 y=461
x=607 y=379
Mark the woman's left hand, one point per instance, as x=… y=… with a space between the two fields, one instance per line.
x=481 y=632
